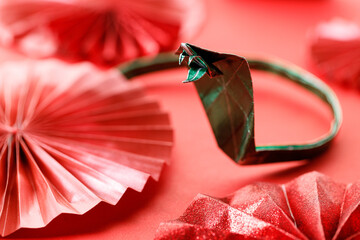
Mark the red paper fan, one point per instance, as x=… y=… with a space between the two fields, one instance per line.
x=72 y=136
x=105 y=32
x=5 y=36
x=335 y=51
x=310 y=207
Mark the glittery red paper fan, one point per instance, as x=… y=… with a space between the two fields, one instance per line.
x=105 y=32
x=72 y=136
x=311 y=206
x=335 y=52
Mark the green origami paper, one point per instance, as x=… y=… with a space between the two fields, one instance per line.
x=223 y=82
x=227 y=96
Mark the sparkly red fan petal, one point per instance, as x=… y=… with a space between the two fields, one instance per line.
x=335 y=52
x=72 y=136
x=310 y=207
x=105 y=32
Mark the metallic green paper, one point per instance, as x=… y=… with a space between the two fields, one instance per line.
x=224 y=85
x=226 y=93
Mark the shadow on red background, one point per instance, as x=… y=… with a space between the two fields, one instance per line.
x=104 y=215
x=97 y=219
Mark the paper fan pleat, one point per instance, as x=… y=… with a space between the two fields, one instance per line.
x=311 y=206
x=72 y=136
x=104 y=32
x=335 y=52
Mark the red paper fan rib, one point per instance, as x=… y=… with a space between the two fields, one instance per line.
x=72 y=136
x=104 y=32
x=311 y=206
x=335 y=52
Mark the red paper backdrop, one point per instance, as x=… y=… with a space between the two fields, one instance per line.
x=284 y=113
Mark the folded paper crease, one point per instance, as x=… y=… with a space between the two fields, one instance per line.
x=335 y=52
x=72 y=136
x=312 y=206
x=104 y=32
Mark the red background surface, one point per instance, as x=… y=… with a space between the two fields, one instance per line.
x=283 y=113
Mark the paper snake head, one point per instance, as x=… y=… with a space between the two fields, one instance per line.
x=199 y=62
x=224 y=85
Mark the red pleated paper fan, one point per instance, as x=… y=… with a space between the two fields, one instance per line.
x=311 y=206
x=335 y=52
x=105 y=32
x=72 y=136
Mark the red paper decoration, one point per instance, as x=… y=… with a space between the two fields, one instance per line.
x=105 y=32
x=311 y=206
x=70 y=137
x=335 y=52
